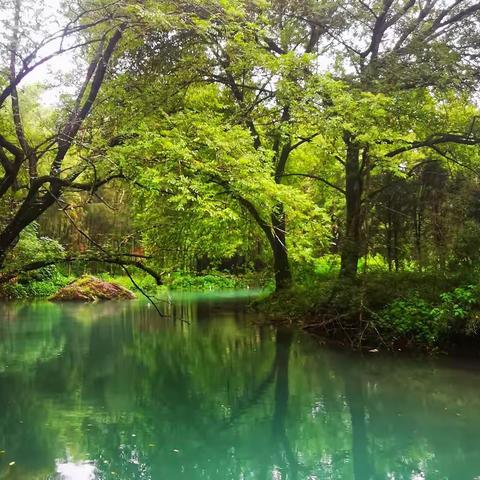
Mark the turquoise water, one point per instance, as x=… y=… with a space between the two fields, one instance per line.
x=113 y=391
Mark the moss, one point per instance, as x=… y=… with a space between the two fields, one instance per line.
x=91 y=289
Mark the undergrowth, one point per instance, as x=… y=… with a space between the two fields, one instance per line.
x=408 y=310
x=39 y=284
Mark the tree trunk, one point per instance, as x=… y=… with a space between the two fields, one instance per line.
x=351 y=244
x=281 y=263
x=396 y=247
x=388 y=241
x=418 y=224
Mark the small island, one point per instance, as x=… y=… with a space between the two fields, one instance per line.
x=91 y=289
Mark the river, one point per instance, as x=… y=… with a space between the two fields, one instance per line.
x=114 y=391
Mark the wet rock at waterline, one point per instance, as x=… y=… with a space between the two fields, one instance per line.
x=91 y=289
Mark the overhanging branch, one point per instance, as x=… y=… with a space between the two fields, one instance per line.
x=29 y=267
x=436 y=140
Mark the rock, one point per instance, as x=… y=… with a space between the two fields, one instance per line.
x=91 y=289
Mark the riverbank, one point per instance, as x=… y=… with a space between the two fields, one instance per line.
x=407 y=311
x=44 y=284
x=386 y=311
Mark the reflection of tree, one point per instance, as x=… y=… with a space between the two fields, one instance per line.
x=197 y=388
x=27 y=429
x=283 y=345
x=148 y=398
x=25 y=343
x=354 y=395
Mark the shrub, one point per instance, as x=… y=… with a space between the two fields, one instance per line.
x=417 y=320
x=33 y=288
x=38 y=283
x=460 y=308
x=413 y=320
x=209 y=281
x=31 y=248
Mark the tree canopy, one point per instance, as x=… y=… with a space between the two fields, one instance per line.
x=265 y=134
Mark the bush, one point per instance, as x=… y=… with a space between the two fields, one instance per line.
x=30 y=288
x=409 y=309
x=32 y=248
x=212 y=280
x=209 y=281
x=38 y=283
x=145 y=282
x=412 y=320
x=419 y=321
x=461 y=309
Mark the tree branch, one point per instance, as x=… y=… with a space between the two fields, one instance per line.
x=248 y=205
x=29 y=267
x=75 y=120
x=436 y=140
x=304 y=140
x=315 y=177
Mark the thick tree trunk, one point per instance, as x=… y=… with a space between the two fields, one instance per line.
x=283 y=275
x=281 y=263
x=351 y=244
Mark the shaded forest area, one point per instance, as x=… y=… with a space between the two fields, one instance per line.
x=327 y=150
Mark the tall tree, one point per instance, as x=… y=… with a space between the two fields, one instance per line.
x=36 y=172
x=260 y=57
x=404 y=47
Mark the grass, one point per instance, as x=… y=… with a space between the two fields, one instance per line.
x=46 y=284
x=209 y=281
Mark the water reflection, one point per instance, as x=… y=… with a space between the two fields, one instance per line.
x=75 y=471
x=112 y=391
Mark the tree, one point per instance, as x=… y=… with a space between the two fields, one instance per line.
x=36 y=172
x=402 y=49
x=393 y=70
x=258 y=59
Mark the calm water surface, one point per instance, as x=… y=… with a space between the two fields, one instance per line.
x=113 y=391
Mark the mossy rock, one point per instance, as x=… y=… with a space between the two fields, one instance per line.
x=91 y=289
